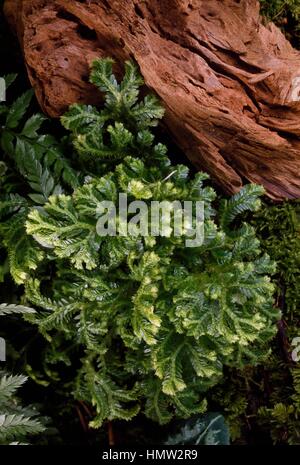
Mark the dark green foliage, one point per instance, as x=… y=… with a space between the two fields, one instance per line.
x=32 y=165
x=286 y=14
x=267 y=399
x=38 y=158
x=278 y=227
x=275 y=9
x=16 y=422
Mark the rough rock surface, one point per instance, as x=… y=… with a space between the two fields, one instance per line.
x=230 y=85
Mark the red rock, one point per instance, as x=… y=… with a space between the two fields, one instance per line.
x=230 y=85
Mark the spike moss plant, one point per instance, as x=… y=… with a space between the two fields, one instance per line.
x=147 y=323
x=17 y=423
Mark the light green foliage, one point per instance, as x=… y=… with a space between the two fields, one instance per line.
x=122 y=127
x=152 y=321
x=176 y=314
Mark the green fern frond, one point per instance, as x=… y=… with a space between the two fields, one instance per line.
x=120 y=128
x=18 y=109
x=108 y=399
x=15 y=423
x=9 y=385
x=9 y=309
x=246 y=199
x=17 y=426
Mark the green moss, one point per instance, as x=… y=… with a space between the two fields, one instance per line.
x=263 y=403
x=285 y=14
